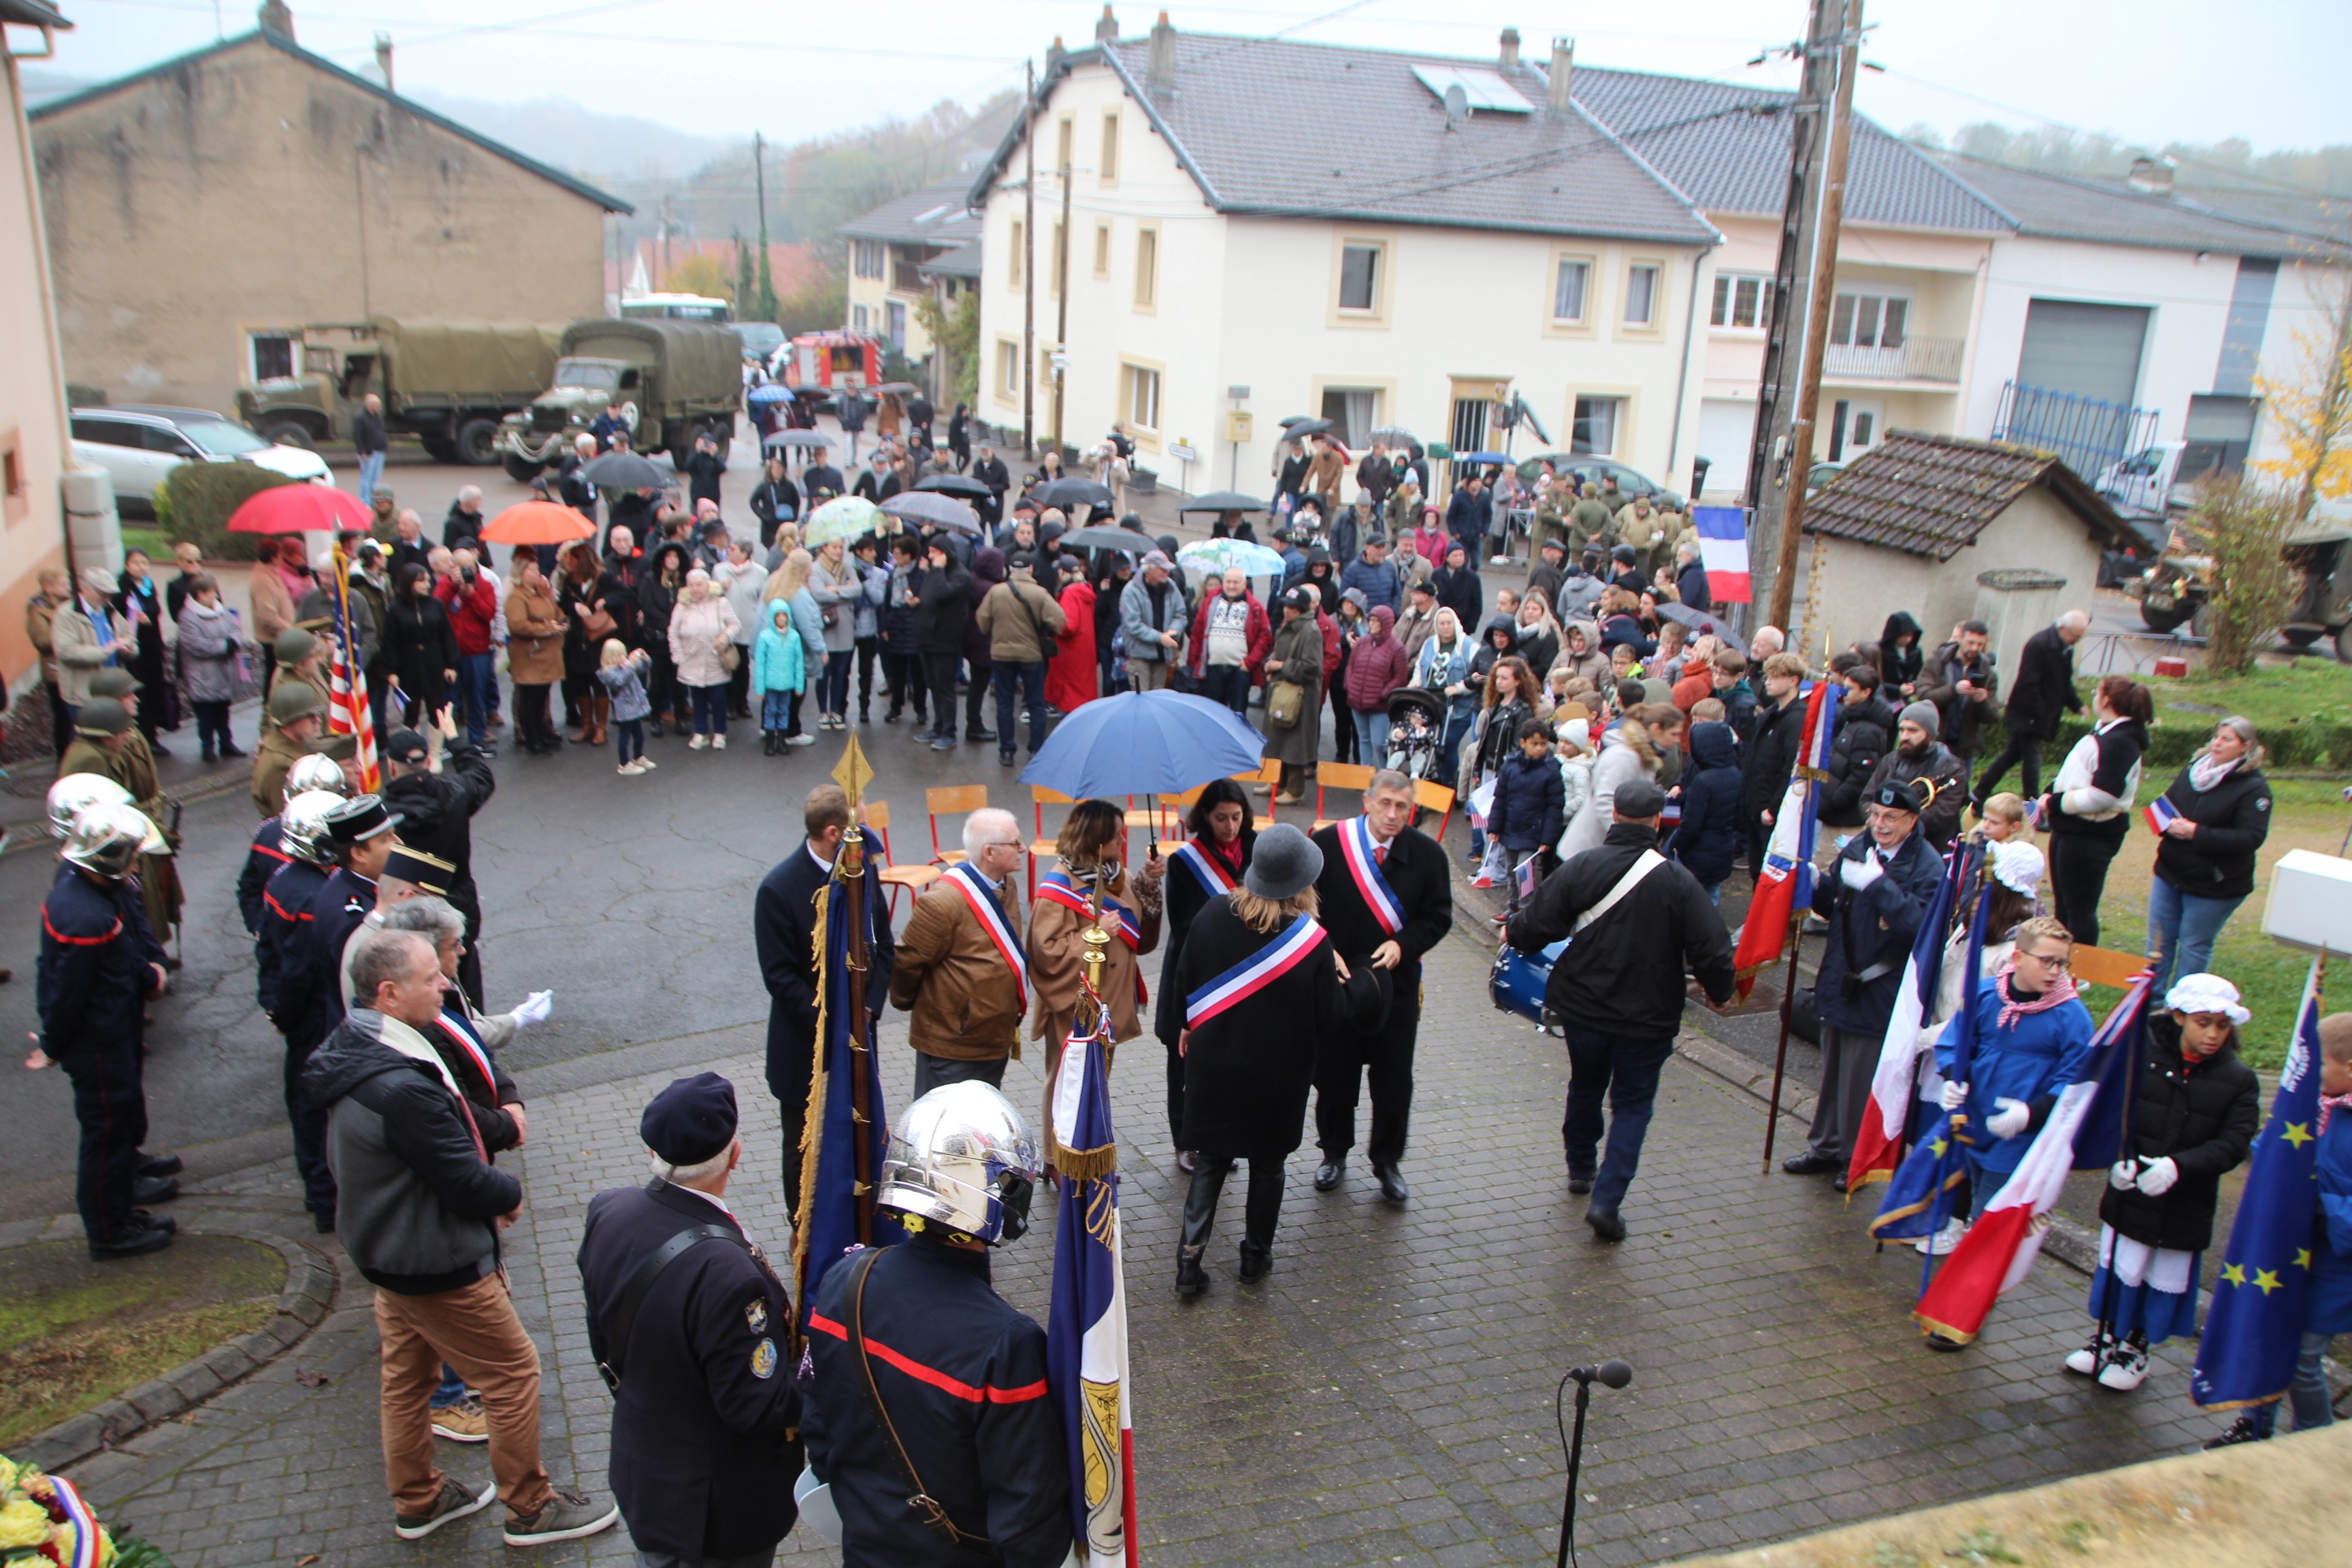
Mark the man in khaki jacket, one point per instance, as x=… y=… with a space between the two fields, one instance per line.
x=951 y=971
x=40 y=619
x=1016 y=617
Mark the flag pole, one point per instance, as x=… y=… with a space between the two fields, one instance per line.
x=1780 y=1055
x=1972 y=955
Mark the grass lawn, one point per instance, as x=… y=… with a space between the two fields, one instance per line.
x=137 y=536
x=75 y=1333
x=2298 y=691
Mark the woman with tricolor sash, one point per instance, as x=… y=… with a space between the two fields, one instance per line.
x=1093 y=842
x=1263 y=986
x=1203 y=868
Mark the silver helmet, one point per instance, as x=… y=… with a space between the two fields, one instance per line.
x=303 y=826
x=77 y=793
x=109 y=839
x=963 y=1158
x=315 y=772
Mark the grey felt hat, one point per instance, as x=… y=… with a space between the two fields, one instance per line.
x=1284 y=863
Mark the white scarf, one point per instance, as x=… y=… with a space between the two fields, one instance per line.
x=2206 y=770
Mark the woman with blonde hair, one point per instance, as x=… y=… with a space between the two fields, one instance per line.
x=1091 y=847
x=790 y=582
x=2216 y=815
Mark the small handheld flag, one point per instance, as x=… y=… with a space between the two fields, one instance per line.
x=2161 y=814
x=1530 y=875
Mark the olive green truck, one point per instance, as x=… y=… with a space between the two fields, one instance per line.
x=449 y=384
x=671 y=381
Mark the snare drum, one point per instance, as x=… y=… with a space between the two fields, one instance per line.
x=1517 y=980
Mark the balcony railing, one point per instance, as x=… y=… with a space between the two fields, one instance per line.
x=2086 y=433
x=1916 y=359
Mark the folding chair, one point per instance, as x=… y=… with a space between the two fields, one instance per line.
x=1357 y=776
x=1269 y=775
x=951 y=800
x=1042 y=847
x=2105 y=966
x=1437 y=797
x=914 y=879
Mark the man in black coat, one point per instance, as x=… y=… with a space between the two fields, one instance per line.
x=704 y=470
x=942 y=606
x=1637 y=921
x=1865 y=731
x=1874 y=896
x=706 y=1413
x=1959 y=681
x=991 y=471
x=2043 y=693
x=1772 y=752
x=784 y=913
x=1404 y=871
x=436 y=815
x=463 y=522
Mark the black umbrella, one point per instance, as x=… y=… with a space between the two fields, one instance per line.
x=954 y=485
x=1069 y=491
x=1697 y=620
x=901 y=388
x=623 y=471
x=1298 y=430
x=928 y=506
x=796 y=438
x=1104 y=538
x=1296 y=420
x=1222 y=500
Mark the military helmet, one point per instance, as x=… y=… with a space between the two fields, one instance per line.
x=102 y=718
x=315 y=772
x=303 y=826
x=109 y=839
x=77 y=793
x=114 y=681
x=292 y=701
x=962 y=1158
x=293 y=646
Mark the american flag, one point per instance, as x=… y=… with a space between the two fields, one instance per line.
x=347 y=706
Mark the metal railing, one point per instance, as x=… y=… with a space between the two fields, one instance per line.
x=1915 y=359
x=2084 y=432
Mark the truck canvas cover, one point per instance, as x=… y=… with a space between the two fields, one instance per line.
x=698 y=362
x=490 y=363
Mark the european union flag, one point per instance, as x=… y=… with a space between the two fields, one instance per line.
x=2255 y=1325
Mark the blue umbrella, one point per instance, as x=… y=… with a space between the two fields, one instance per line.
x=1480 y=458
x=770 y=391
x=1218 y=554
x=1144 y=743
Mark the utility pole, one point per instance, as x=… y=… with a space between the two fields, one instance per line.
x=1062 y=310
x=1817 y=322
x=663 y=281
x=1029 y=261
x=1775 y=408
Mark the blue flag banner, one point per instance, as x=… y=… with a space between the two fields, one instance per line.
x=2099 y=1141
x=1086 y=1330
x=2246 y=1356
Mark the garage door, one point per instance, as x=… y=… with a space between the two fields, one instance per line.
x=1725 y=429
x=2089 y=350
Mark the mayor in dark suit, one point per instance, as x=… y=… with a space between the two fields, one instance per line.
x=783 y=916
x=706 y=1414
x=1386 y=899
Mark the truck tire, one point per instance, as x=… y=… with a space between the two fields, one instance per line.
x=520 y=470
x=440 y=448
x=478 y=442
x=2299 y=638
x=290 y=433
x=2168 y=620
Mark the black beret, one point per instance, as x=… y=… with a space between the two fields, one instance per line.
x=1896 y=796
x=691 y=1121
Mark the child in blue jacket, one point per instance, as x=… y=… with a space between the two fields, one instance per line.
x=1530 y=804
x=1711 y=833
x=779 y=678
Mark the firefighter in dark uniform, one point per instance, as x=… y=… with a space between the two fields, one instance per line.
x=99 y=963
x=285 y=933
x=322 y=771
x=706 y=1442
x=959 y=1372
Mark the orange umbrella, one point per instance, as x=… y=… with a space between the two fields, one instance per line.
x=538 y=522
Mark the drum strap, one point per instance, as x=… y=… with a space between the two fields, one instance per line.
x=1647 y=861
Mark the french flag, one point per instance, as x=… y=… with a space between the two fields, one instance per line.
x=1878 y=1142
x=2161 y=814
x=1722 y=551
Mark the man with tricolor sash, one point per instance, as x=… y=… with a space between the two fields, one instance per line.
x=1386 y=899
x=961 y=968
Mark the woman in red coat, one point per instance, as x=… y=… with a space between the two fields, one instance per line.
x=1071 y=675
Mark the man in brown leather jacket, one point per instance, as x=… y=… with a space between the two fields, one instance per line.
x=961 y=968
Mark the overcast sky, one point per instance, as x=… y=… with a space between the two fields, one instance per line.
x=2269 y=70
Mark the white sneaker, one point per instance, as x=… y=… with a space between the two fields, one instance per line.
x=1940 y=1244
x=2127 y=1368
x=631 y=768
x=698 y=743
x=2084 y=1363
x=647 y=765
x=718 y=742
x=802 y=740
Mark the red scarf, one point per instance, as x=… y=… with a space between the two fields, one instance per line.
x=1229 y=853
x=2328 y=1104
x=2062 y=990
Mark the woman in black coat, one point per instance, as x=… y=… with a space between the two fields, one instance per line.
x=1262 y=985
x=657 y=591
x=2088 y=811
x=2205 y=861
x=419 y=648
x=1899 y=658
x=2192 y=1122
x=137 y=601
x=1203 y=870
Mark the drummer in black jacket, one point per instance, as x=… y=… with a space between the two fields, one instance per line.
x=1637 y=920
x=705 y=1423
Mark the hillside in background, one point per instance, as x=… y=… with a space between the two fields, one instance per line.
x=2306 y=188
x=604 y=148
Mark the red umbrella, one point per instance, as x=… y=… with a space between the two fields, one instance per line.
x=302 y=508
x=538 y=522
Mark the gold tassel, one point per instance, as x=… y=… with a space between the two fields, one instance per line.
x=1085 y=1164
x=812 y=1128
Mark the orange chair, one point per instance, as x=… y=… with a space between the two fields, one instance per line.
x=1357 y=776
x=1269 y=775
x=1434 y=798
x=951 y=800
x=1043 y=847
x=2105 y=966
x=914 y=879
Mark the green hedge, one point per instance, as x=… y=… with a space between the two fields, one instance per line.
x=2176 y=737
x=198 y=499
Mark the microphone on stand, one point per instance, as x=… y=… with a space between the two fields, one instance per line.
x=1609 y=1375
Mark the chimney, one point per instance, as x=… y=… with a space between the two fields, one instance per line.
x=1563 y=74
x=275 y=18
x=1159 y=71
x=384 y=58
x=1510 y=49
x=1107 y=30
x=1053 y=53
x=2151 y=177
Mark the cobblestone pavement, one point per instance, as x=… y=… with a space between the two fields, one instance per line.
x=1385 y=1396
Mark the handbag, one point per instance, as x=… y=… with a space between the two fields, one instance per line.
x=1047 y=648
x=731 y=657
x=1284 y=699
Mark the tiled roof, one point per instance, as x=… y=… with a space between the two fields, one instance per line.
x=1932 y=495
x=936 y=214
x=2110 y=211
x=1284 y=129
x=963 y=261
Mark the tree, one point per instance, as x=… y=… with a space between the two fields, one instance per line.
x=2313 y=413
x=2243 y=526
x=955 y=334
x=743 y=277
x=700 y=274
x=764 y=306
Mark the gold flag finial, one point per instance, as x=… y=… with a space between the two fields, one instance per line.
x=853 y=773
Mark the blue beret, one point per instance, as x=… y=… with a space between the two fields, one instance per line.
x=691 y=1121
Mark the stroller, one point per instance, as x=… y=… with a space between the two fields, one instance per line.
x=1416 y=729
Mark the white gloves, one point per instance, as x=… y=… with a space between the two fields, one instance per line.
x=2009 y=1118
x=1954 y=1095
x=1860 y=874
x=2157 y=1177
x=534 y=1009
x=2123 y=1175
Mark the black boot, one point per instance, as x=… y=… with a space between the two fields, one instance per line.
x=1200 y=1219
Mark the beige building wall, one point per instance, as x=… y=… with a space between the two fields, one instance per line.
x=32 y=412
x=247 y=189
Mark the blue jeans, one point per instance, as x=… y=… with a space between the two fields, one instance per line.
x=1228 y=684
x=1027 y=682
x=1626 y=1070
x=629 y=738
x=2181 y=927
x=452 y=1390
x=2307 y=1392
x=709 y=709
x=476 y=673
x=1371 y=738
x=833 y=695
x=371 y=471
x=779 y=712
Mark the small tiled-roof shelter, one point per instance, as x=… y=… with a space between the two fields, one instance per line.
x=1920 y=520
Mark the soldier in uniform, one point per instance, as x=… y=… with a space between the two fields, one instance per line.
x=107 y=741
x=300 y=656
x=287 y=920
x=958 y=1371
x=706 y=1421
x=100 y=962
x=297 y=717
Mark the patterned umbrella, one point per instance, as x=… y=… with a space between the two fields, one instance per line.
x=1222 y=554
x=844 y=517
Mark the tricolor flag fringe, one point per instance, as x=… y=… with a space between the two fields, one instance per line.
x=348 y=709
x=1878 y=1142
x=1787 y=885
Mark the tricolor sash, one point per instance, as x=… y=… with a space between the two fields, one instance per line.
x=983 y=898
x=1056 y=886
x=1256 y=973
x=1356 y=847
x=461 y=1029
x=1204 y=865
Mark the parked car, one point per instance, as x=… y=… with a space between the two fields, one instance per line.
x=1632 y=481
x=760 y=339
x=139 y=445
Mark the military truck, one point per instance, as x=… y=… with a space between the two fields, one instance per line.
x=448 y=384
x=673 y=381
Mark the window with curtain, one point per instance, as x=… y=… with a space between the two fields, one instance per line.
x=1008 y=367
x=1107 y=168
x=1016 y=251
x=1594 y=432
x=1568 y=289
x=1142 y=400
x=1738 y=301
x=1640 y=295
x=1868 y=320
x=1354 y=412
x=1102 y=250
